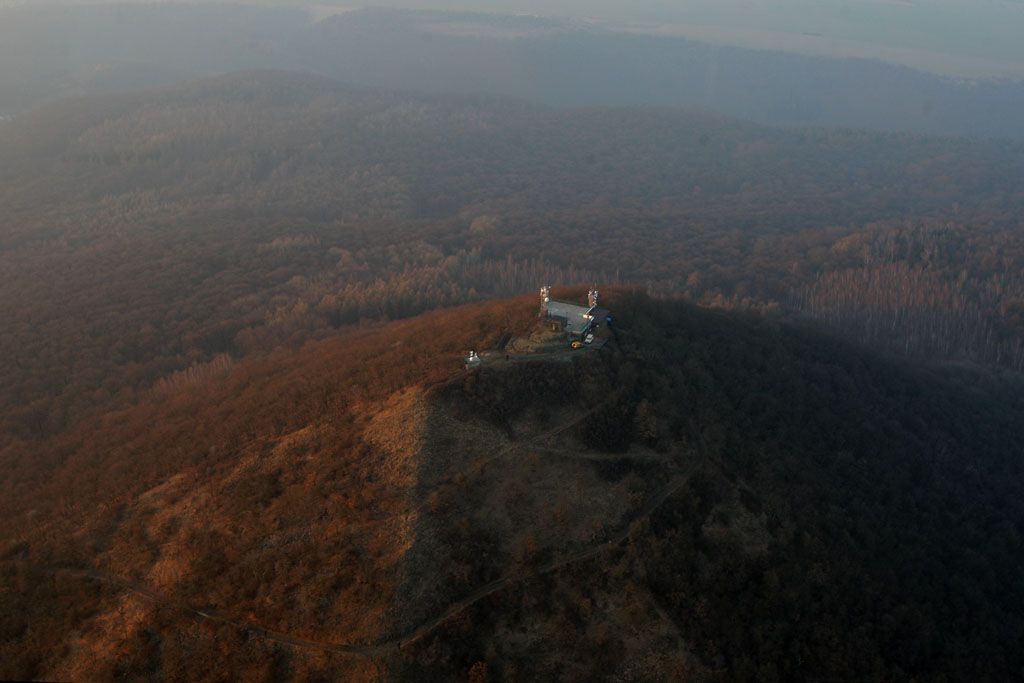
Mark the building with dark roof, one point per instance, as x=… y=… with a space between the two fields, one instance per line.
x=575 y=320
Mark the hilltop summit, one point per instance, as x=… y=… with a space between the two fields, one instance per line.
x=708 y=493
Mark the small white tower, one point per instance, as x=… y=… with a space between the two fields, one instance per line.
x=545 y=299
x=592 y=298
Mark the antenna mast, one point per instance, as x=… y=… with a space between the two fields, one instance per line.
x=545 y=299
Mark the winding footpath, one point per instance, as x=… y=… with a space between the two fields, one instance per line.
x=378 y=650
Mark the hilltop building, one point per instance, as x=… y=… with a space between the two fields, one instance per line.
x=575 y=320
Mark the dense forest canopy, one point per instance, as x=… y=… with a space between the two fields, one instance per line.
x=148 y=233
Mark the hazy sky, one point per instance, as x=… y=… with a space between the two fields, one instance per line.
x=972 y=37
x=960 y=37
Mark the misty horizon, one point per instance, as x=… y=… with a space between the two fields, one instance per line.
x=485 y=341
x=950 y=37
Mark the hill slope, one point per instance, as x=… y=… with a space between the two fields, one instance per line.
x=709 y=496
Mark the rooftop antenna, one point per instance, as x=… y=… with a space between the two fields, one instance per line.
x=592 y=297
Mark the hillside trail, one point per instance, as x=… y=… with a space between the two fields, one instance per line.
x=479 y=465
x=209 y=614
x=499 y=358
x=375 y=651
x=517 y=574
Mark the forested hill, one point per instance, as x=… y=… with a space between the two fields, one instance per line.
x=153 y=233
x=710 y=496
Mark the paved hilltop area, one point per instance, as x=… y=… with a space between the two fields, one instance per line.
x=542 y=344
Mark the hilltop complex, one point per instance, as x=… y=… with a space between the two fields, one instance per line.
x=577 y=322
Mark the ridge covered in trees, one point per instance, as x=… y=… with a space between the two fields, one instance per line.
x=763 y=502
x=146 y=234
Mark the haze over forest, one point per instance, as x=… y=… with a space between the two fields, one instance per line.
x=780 y=76
x=245 y=249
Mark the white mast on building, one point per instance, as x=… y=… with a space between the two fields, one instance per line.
x=545 y=299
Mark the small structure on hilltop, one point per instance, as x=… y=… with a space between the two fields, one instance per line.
x=576 y=321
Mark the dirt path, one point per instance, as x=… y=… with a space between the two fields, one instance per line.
x=368 y=651
x=512 y=577
x=587 y=456
x=375 y=651
x=479 y=465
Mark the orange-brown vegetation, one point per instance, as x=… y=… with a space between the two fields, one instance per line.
x=210 y=490
x=218 y=452
x=361 y=507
